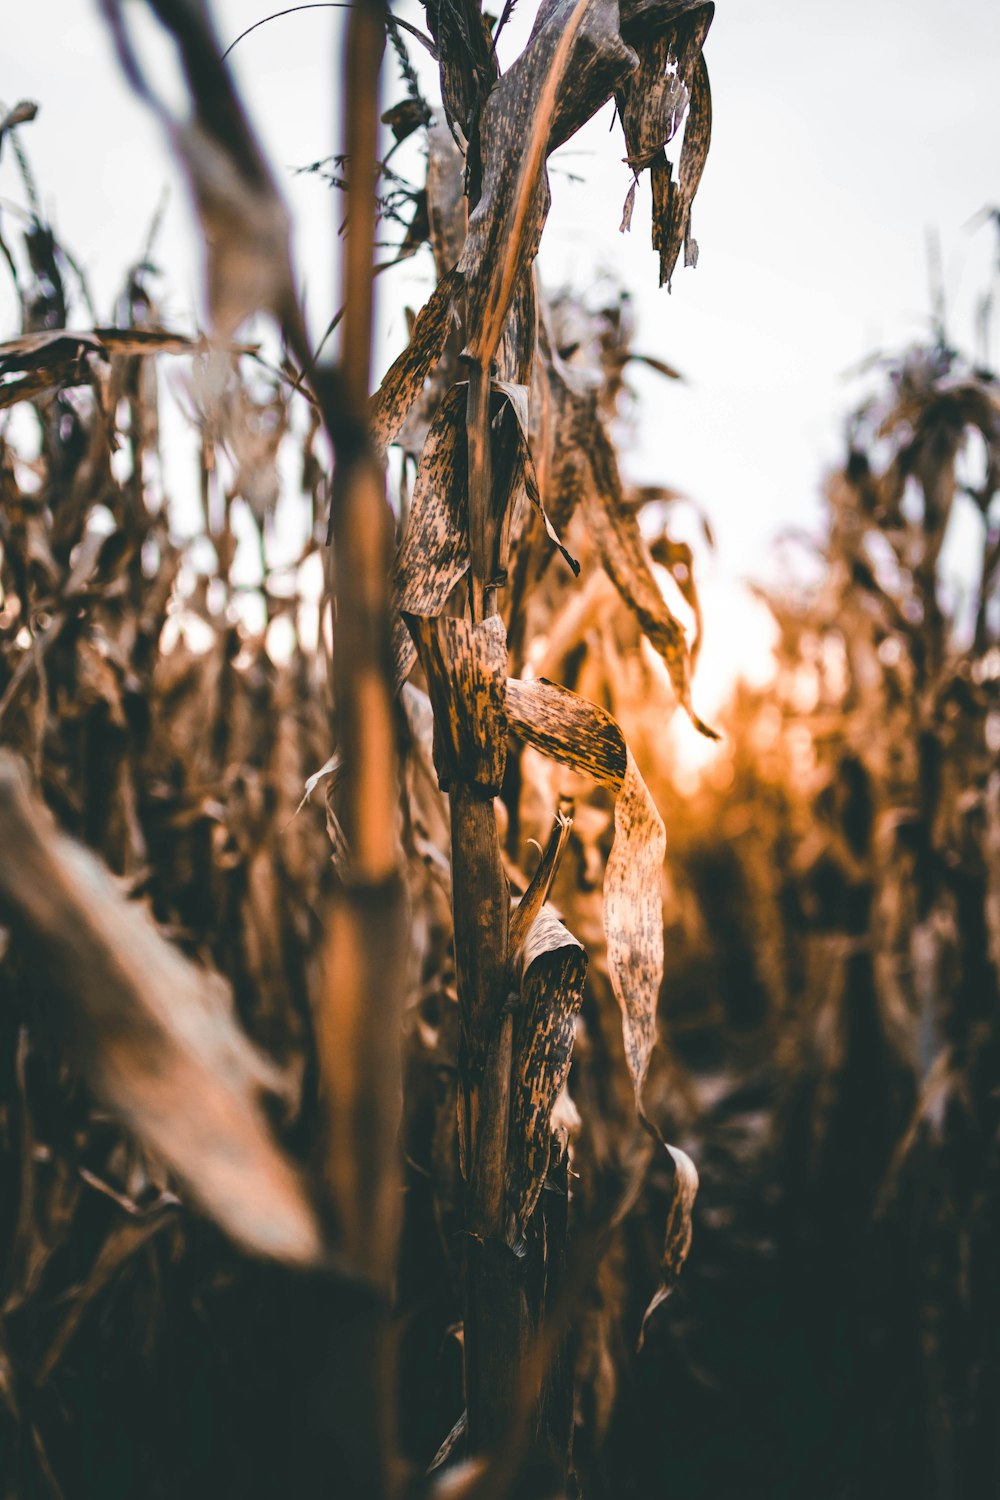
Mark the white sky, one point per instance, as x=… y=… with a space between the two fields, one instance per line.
x=842 y=133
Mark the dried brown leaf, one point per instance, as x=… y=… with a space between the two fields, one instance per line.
x=677 y=1239
x=586 y=738
x=553 y=967
x=156 y=1036
x=671 y=81
x=530 y=905
x=54 y=358
x=571 y=65
x=585 y=473
x=406 y=376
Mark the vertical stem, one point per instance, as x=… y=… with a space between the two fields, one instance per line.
x=365 y=45
x=360 y=521
x=496 y=1311
x=495 y=1306
x=360 y=1015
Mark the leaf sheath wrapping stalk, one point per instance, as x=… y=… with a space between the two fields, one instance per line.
x=482 y=909
x=586 y=738
x=465 y=666
x=434 y=554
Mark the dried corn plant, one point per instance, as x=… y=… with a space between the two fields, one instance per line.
x=834 y=994
x=356 y=1065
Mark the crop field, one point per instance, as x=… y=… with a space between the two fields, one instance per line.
x=416 y=1078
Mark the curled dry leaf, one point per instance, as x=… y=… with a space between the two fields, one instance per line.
x=678 y=559
x=586 y=738
x=405 y=378
x=553 y=966
x=671 y=80
x=434 y=554
x=584 y=472
x=465 y=666
x=468 y=62
x=156 y=1036
x=677 y=1240
x=530 y=905
x=570 y=67
x=625 y=558
x=517 y=396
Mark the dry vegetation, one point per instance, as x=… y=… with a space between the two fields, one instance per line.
x=334 y=1130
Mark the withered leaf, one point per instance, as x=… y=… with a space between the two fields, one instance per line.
x=434 y=554
x=405 y=378
x=517 y=396
x=585 y=472
x=677 y=1239
x=678 y=559
x=406 y=116
x=586 y=738
x=625 y=558
x=628 y=208
x=535 y=897
x=157 y=1038
x=468 y=63
x=54 y=358
x=671 y=80
x=553 y=966
x=633 y=918
x=571 y=65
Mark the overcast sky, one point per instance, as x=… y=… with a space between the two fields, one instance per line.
x=842 y=134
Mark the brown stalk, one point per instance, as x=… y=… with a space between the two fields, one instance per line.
x=359 y=1019
x=499 y=1324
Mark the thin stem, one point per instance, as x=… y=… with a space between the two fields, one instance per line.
x=291 y=10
